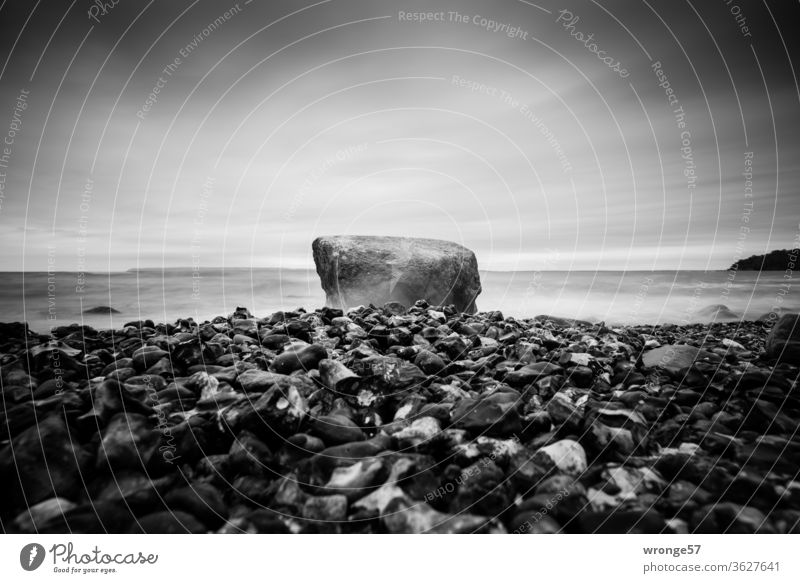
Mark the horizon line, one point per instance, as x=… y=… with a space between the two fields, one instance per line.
x=312 y=268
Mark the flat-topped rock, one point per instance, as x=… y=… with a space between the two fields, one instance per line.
x=101 y=310
x=361 y=270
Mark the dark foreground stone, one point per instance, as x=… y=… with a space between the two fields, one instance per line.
x=783 y=340
x=395 y=420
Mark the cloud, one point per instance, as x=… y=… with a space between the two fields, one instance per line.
x=448 y=130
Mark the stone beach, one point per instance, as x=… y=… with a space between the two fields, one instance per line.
x=400 y=420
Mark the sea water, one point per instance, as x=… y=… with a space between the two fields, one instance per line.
x=616 y=297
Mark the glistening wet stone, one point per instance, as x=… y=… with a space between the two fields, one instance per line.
x=399 y=419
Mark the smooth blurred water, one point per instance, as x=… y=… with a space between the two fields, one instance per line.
x=612 y=296
x=646 y=297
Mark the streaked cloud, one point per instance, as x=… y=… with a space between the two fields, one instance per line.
x=373 y=125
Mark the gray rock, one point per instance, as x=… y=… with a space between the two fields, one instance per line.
x=109 y=398
x=129 y=441
x=420 y=432
x=326 y=508
x=429 y=362
x=783 y=341
x=533 y=522
x=673 y=357
x=561 y=322
x=147 y=356
x=633 y=521
x=532 y=372
x=201 y=500
x=336 y=429
x=375 y=270
x=303 y=359
x=356 y=480
x=729 y=518
x=249 y=455
x=495 y=414
x=43 y=462
x=33 y=518
x=337 y=377
x=482 y=489
x=566 y=455
x=167 y=522
x=716 y=313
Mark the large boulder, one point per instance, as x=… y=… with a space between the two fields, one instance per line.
x=673 y=358
x=357 y=270
x=783 y=341
x=42 y=462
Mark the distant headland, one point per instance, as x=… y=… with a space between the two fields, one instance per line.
x=777 y=260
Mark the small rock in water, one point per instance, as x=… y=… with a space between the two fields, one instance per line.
x=101 y=310
x=716 y=313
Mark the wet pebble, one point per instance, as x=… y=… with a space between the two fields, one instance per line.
x=400 y=419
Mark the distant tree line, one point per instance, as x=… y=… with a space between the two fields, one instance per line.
x=773 y=261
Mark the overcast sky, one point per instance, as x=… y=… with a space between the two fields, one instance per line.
x=282 y=121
